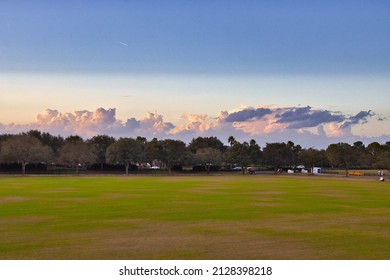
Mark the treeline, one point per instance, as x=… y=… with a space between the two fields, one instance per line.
x=104 y=152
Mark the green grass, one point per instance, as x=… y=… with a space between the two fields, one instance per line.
x=194 y=217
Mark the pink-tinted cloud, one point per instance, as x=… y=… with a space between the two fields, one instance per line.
x=154 y=125
x=265 y=124
x=82 y=122
x=194 y=124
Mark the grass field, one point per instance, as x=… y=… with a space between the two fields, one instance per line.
x=215 y=217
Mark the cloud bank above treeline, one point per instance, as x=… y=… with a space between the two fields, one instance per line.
x=306 y=126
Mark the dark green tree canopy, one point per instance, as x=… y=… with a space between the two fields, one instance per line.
x=239 y=154
x=54 y=142
x=207 y=157
x=125 y=151
x=206 y=142
x=104 y=149
x=174 y=152
x=24 y=149
x=100 y=143
x=73 y=138
x=312 y=157
x=280 y=154
x=154 y=150
x=342 y=155
x=77 y=154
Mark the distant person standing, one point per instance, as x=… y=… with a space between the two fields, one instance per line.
x=380 y=174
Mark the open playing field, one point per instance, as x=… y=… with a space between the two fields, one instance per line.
x=215 y=217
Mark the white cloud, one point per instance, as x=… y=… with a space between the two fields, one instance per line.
x=83 y=122
x=154 y=125
x=194 y=124
x=303 y=125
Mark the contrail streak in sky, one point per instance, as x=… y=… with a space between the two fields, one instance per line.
x=123 y=44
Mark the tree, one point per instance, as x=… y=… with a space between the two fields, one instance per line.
x=341 y=155
x=208 y=157
x=383 y=162
x=231 y=140
x=374 y=149
x=125 y=151
x=73 y=138
x=380 y=155
x=312 y=157
x=255 y=153
x=239 y=154
x=142 y=141
x=154 y=150
x=279 y=154
x=363 y=158
x=77 y=153
x=24 y=149
x=54 y=142
x=206 y=142
x=4 y=137
x=100 y=144
x=174 y=152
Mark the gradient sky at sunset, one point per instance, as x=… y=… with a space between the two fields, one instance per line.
x=315 y=72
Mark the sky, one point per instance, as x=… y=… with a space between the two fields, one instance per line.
x=313 y=72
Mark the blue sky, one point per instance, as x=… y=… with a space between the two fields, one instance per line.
x=229 y=37
x=188 y=62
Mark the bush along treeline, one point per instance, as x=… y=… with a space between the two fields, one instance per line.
x=36 y=151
